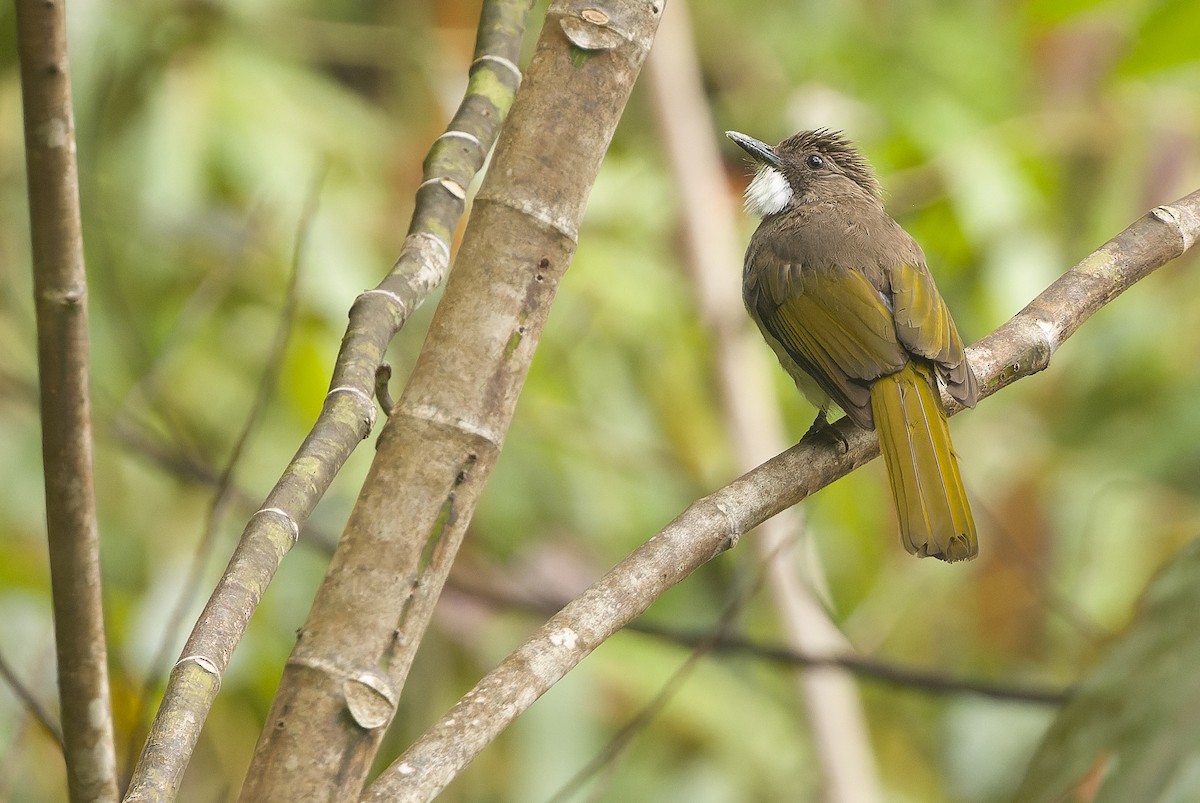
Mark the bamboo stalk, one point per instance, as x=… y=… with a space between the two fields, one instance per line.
x=349 y=410
x=342 y=683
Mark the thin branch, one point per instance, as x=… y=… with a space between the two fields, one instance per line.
x=835 y=716
x=721 y=640
x=345 y=419
x=713 y=524
x=907 y=677
x=226 y=490
x=912 y=678
x=341 y=685
x=32 y=704
x=12 y=772
x=60 y=294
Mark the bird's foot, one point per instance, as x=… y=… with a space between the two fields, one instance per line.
x=821 y=428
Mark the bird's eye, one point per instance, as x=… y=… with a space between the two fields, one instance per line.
x=814 y=161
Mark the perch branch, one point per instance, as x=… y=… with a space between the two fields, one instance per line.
x=713 y=524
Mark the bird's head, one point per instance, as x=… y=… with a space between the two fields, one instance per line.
x=810 y=167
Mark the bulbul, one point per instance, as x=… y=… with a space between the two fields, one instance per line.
x=843 y=296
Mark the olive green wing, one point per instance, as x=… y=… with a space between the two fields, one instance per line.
x=833 y=324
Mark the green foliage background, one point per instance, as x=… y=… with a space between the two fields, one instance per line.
x=1012 y=138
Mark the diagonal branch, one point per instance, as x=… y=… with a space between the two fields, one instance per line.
x=32 y=704
x=60 y=295
x=715 y=523
x=341 y=685
x=349 y=411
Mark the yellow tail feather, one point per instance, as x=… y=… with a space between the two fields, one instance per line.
x=914 y=438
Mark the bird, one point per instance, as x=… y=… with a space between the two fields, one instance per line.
x=843 y=296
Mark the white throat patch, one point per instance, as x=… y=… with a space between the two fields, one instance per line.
x=768 y=193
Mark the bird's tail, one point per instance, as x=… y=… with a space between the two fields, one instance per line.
x=914 y=438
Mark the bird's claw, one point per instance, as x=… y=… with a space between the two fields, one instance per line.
x=822 y=428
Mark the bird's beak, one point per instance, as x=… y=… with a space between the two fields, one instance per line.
x=759 y=151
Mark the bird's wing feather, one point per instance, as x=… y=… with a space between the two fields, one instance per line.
x=834 y=324
x=925 y=328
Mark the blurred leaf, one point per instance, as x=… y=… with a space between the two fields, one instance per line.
x=1049 y=12
x=1166 y=38
x=1132 y=732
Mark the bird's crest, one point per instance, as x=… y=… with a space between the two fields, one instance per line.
x=836 y=146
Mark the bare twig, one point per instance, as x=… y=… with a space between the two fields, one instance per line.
x=60 y=294
x=713 y=524
x=346 y=418
x=907 y=677
x=32 y=704
x=12 y=771
x=917 y=679
x=383 y=375
x=342 y=682
x=835 y=715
